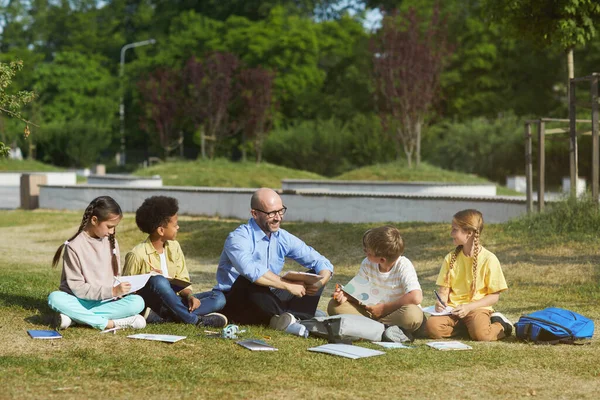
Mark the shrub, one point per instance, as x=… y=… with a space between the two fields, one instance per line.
x=329 y=147
x=74 y=143
x=490 y=148
x=561 y=219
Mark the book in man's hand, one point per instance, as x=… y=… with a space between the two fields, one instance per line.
x=305 y=277
x=44 y=334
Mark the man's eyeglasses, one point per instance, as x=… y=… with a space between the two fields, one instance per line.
x=271 y=214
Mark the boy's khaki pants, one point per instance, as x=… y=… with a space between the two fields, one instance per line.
x=477 y=322
x=409 y=317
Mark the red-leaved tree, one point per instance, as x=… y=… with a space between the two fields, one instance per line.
x=256 y=115
x=210 y=86
x=161 y=100
x=408 y=58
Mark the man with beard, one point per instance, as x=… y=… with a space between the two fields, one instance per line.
x=249 y=267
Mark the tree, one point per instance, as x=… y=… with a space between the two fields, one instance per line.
x=564 y=24
x=11 y=104
x=257 y=105
x=408 y=60
x=161 y=94
x=77 y=86
x=210 y=87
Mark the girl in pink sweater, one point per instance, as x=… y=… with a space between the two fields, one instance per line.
x=90 y=292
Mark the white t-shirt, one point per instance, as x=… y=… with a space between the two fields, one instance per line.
x=395 y=283
x=163 y=264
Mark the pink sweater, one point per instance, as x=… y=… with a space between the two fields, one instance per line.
x=87 y=268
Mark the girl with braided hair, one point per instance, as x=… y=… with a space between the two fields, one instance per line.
x=470 y=282
x=88 y=294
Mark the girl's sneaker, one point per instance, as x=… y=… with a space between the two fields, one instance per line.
x=135 y=322
x=61 y=321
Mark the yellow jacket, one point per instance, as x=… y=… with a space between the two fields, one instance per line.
x=143 y=257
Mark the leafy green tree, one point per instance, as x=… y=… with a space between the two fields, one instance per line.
x=76 y=86
x=345 y=59
x=11 y=104
x=563 y=24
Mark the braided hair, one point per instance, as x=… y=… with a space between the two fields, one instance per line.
x=103 y=208
x=472 y=221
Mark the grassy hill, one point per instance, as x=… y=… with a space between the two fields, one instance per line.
x=399 y=171
x=224 y=173
x=7 y=165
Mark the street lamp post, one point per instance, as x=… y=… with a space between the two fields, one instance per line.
x=121 y=158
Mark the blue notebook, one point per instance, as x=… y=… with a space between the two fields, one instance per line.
x=44 y=334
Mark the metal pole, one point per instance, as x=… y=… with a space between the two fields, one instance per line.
x=541 y=165
x=573 y=139
x=595 y=150
x=122 y=102
x=528 y=168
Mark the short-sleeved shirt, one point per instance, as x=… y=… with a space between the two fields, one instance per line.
x=143 y=257
x=395 y=283
x=490 y=278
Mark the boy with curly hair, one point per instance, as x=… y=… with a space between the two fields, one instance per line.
x=161 y=254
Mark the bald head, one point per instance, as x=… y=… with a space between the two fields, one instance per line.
x=265 y=199
x=267 y=202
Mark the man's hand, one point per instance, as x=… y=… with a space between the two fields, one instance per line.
x=297 y=289
x=313 y=289
x=377 y=311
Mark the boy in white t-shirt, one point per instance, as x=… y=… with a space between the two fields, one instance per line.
x=393 y=277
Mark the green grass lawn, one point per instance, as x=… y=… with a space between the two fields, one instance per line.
x=541 y=270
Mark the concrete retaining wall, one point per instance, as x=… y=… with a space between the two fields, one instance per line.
x=420 y=188
x=302 y=205
x=10 y=184
x=54 y=178
x=125 y=180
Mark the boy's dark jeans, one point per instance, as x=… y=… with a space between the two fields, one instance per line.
x=161 y=297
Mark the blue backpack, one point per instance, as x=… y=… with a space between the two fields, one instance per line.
x=554 y=325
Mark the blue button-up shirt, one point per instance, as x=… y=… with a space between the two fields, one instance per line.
x=249 y=252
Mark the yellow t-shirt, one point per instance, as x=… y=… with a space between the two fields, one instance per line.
x=490 y=278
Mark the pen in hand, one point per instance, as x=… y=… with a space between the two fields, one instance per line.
x=439 y=298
